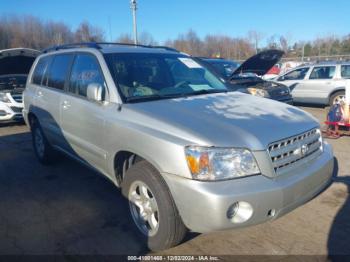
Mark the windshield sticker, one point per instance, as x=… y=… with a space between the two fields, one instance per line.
x=200 y=87
x=190 y=63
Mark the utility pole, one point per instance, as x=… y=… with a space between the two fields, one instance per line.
x=134 y=8
x=303 y=53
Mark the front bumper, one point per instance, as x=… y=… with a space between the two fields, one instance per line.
x=11 y=112
x=203 y=206
x=284 y=99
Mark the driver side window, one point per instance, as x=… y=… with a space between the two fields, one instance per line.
x=85 y=71
x=297 y=74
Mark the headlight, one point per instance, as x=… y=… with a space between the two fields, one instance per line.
x=258 y=92
x=4 y=98
x=319 y=132
x=210 y=163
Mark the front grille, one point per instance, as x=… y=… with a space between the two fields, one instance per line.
x=16 y=109
x=17 y=98
x=294 y=151
x=279 y=92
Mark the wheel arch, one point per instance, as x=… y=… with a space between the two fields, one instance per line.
x=335 y=90
x=31 y=118
x=124 y=159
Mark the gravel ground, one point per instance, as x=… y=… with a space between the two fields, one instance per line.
x=67 y=209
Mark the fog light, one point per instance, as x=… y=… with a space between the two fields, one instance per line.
x=240 y=212
x=3 y=113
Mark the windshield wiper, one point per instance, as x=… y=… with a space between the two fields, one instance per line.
x=177 y=95
x=151 y=97
x=207 y=91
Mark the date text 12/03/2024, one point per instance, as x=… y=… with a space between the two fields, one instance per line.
x=172 y=258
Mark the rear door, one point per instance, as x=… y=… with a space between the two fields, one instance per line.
x=82 y=119
x=319 y=84
x=48 y=95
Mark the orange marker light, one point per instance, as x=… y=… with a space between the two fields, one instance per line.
x=193 y=164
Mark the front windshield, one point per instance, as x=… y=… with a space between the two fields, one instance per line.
x=12 y=82
x=143 y=76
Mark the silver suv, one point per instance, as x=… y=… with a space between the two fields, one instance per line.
x=322 y=83
x=186 y=152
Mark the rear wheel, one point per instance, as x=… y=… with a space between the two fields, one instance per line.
x=337 y=97
x=43 y=150
x=152 y=208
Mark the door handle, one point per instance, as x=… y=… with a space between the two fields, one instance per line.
x=65 y=104
x=40 y=94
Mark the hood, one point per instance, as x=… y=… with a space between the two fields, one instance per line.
x=260 y=63
x=17 y=60
x=225 y=120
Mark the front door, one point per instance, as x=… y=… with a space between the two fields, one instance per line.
x=295 y=81
x=83 y=120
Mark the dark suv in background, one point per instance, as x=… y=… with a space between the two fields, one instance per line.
x=247 y=76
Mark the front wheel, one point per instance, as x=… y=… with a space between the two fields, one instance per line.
x=152 y=208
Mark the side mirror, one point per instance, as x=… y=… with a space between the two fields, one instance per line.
x=281 y=78
x=94 y=92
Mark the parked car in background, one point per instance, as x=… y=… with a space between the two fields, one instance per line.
x=186 y=152
x=14 y=68
x=224 y=67
x=289 y=65
x=320 y=83
x=247 y=77
x=273 y=72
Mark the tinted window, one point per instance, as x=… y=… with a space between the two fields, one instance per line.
x=58 y=71
x=85 y=71
x=297 y=74
x=345 y=71
x=40 y=70
x=224 y=68
x=322 y=72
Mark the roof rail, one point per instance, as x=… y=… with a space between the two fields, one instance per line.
x=165 y=47
x=69 y=46
x=98 y=45
x=140 y=45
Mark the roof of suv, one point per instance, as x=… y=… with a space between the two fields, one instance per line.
x=114 y=48
x=326 y=63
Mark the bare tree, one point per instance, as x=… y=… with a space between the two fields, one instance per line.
x=125 y=38
x=146 y=38
x=255 y=37
x=88 y=33
x=272 y=42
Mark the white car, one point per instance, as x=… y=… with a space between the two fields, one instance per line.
x=14 y=66
x=322 y=83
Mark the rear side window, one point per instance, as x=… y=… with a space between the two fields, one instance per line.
x=297 y=74
x=322 y=72
x=345 y=71
x=40 y=69
x=85 y=71
x=58 y=71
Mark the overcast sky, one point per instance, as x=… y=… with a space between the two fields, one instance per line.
x=164 y=19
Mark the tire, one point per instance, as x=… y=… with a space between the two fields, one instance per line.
x=168 y=229
x=42 y=148
x=336 y=96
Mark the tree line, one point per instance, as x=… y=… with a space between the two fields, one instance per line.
x=32 y=32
